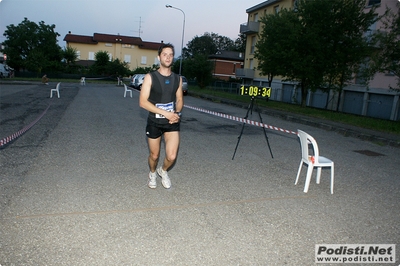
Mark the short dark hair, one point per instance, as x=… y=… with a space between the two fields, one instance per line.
x=166 y=45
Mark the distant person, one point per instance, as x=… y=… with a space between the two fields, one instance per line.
x=161 y=94
x=45 y=79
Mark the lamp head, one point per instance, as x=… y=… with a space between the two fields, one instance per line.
x=168 y=6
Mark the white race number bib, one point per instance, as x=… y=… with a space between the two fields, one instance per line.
x=169 y=107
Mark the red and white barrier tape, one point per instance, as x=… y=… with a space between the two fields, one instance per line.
x=242 y=120
x=8 y=139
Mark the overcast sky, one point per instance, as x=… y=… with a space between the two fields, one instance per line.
x=127 y=17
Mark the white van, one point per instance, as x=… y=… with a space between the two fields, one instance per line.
x=4 y=72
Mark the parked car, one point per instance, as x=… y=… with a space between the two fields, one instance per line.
x=4 y=71
x=184 y=85
x=137 y=81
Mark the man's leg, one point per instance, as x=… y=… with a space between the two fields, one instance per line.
x=171 y=148
x=154 y=152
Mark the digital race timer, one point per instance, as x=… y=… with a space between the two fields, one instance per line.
x=255 y=91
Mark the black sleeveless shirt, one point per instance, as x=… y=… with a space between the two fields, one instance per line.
x=163 y=94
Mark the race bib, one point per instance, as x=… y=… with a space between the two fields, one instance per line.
x=169 y=107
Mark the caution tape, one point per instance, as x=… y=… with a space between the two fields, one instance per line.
x=242 y=120
x=8 y=139
x=12 y=137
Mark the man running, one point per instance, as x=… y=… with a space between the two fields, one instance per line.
x=161 y=94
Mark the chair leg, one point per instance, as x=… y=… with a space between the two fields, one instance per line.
x=318 y=174
x=125 y=94
x=308 y=178
x=58 y=94
x=298 y=172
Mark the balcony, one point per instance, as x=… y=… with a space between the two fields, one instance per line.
x=250 y=27
x=245 y=73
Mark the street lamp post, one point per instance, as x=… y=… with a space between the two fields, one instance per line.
x=183 y=34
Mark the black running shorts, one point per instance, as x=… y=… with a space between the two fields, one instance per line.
x=154 y=130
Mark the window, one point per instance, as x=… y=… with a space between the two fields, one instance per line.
x=108 y=44
x=251 y=64
x=256 y=17
x=253 y=44
x=110 y=57
x=127 y=58
x=156 y=62
x=78 y=54
x=144 y=60
x=276 y=9
x=91 y=56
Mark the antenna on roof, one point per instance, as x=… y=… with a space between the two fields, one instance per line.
x=140 y=26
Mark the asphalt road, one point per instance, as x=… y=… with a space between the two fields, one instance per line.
x=73 y=187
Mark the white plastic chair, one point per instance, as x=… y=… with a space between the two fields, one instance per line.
x=57 y=89
x=312 y=161
x=127 y=90
x=119 y=81
x=83 y=81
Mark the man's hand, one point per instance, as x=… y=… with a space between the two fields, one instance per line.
x=173 y=117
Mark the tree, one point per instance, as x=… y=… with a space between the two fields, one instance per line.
x=240 y=43
x=101 y=61
x=103 y=65
x=70 y=55
x=32 y=46
x=319 y=44
x=199 y=68
x=347 y=44
x=196 y=64
x=145 y=70
x=274 y=48
x=222 y=43
x=203 y=45
x=118 y=68
x=386 y=56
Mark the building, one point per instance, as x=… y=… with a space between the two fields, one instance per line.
x=252 y=28
x=376 y=100
x=225 y=64
x=132 y=50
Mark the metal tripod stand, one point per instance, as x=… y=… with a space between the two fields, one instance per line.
x=250 y=109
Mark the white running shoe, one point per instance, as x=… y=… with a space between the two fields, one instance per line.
x=152 y=180
x=166 y=182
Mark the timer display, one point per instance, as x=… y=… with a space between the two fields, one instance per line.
x=255 y=91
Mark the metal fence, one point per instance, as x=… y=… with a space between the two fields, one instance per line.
x=377 y=103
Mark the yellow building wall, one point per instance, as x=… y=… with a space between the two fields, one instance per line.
x=138 y=57
x=257 y=15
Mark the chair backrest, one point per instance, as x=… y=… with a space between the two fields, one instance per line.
x=58 y=86
x=305 y=139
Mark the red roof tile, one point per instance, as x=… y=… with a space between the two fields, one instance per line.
x=109 y=38
x=79 y=39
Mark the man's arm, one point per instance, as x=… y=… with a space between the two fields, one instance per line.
x=179 y=97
